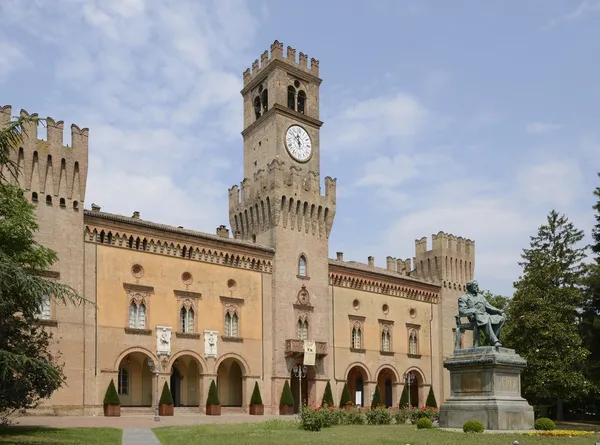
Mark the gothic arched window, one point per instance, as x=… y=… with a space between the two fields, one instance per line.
x=137 y=315
x=256 y=106
x=186 y=316
x=231 y=324
x=301 y=101
x=386 y=343
x=413 y=343
x=302 y=329
x=264 y=98
x=291 y=97
x=356 y=338
x=302 y=266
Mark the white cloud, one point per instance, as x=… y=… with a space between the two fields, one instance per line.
x=11 y=57
x=388 y=171
x=541 y=128
x=366 y=124
x=584 y=8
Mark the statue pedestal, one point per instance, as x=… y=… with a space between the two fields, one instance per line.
x=485 y=385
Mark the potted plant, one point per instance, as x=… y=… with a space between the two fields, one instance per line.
x=213 y=405
x=256 y=405
x=327 y=396
x=112 y=404
x=286 y=403
x=165 y=404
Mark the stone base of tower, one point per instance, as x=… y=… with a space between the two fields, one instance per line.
x=485 y=385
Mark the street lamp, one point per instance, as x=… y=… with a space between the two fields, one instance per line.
x=155 y=368
x=300 y=372
x=409 y=379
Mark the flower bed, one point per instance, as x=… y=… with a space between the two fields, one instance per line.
x=559 y=433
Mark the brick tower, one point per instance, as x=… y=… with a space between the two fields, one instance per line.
x=281 y=206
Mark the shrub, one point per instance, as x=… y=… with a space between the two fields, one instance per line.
x=111 y=397
x=286 y=396
x=473 y=426
x=327 y=396
x=256 y=399
x=431 y=402
x=404 y=397
x=379 y=415
x=544 y=424
x=354 y=415
x=413 y=414
x=376 y=398
x=166 y=398
x=213 y=394
x=424 y=423
x=314 y=419
x=345 y=399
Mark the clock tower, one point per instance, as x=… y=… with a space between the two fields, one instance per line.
x=280 y=205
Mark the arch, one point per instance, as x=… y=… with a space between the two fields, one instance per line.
x=230 y=373
x=34 y=197
x=186 y=369
x=245 y=367
x=419 y=373
x=264 y=98
x=363 y=367
x=357 y=379
x=128 y=351
x=256 y=105
x=49 y=200
x=301 y=101
x=62 y=202
x=191 y=353
x=291 y=94
x=390 y=368
x=140 y=378
x=302 y=265
x=387 y=378
x=414 y=393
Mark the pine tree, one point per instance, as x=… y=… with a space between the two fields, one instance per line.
x=431 y=402
x=327 y=396
x=404 y=397
x=376 y=398
x=542 y=315
x=345 y=398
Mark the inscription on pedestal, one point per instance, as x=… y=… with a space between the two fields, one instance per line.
x=471 y=382
x=507 y=383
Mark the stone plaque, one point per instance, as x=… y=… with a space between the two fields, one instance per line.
x=471 y=382
x=163 y=340
x=210 y=343
x=507 y=383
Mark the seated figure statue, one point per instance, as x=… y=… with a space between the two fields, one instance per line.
x=476 y=308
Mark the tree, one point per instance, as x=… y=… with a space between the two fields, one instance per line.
x=376 y=398
x=404 y=397
x=256 y=399
x=543 y=317
x=213 y=394
x=287 y=398
x=498 y=301
x=29 y=370
x=431 y=402
x=110 y=396
x=345 y=398
x=327 y=396
x=166 y=398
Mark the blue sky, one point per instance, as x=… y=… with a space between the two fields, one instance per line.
x=476 y=118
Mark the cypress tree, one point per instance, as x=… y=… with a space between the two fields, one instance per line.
x=111 y=397
x=287 y=399
x=327 y=396
x=256 y=399
x=376 y=398
x=404 y=397
x=213 y=394
x=345 y=399
x=431 y=402
x=166 y=398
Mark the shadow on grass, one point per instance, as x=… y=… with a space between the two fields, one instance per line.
x=38 y=435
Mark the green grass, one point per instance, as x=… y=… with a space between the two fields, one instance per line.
x=287 y=432
x=46 y=436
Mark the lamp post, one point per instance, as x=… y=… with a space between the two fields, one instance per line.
x=155 y=368
x=299 y=372
x=409 y=379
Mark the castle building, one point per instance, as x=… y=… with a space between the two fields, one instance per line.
x=245 y=304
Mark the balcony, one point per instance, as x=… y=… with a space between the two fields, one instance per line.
x=295 y=348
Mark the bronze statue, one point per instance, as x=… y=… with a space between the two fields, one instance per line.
x=476 y=308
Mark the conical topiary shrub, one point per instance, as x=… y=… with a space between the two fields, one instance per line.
x=345 y=400
x=213 y=405
x=286 y=403
x=431 y=402
x=112 y=404
x=376 y=398
x=165 y=404
x=256 y=405
x=327 y=396
x=404 y=397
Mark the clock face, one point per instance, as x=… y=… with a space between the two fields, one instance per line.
x=298 y=144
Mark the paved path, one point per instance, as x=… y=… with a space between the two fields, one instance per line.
x=139 y=436
x=139 y=421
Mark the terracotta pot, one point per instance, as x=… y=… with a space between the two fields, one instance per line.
x=285 y=410
x=165 y=410
x=257 y=410
x=213 y=410
x=112 y=410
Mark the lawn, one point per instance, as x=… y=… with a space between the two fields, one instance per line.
x=286 y=432
x=14 y=435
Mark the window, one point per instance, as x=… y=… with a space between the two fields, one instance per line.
x=34 y=197
x=302 y=266
x=257 y=107
x=301 y=101
x=356 y=337
x=49 y=200
x=137 y=315
x=386 y=344
x=291 y=97
x=264 y=98
x=231 y=324
x=303 y=329
x=123 y=384
x=187 y=320
x=413 y=343
x=62 y=203
x=44 y=310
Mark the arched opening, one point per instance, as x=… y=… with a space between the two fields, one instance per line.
x=186 y=381
x=229 y=382
x=291 y=97
x=134 y=382
x=307 y=393
x=301 y=101
x=302 y=329
x=356 y=385
x=62 y=203
x=414 y=381
x=49 y=200
x=256 y=106
x=264 y=98
x=386 y=380
x=302 y=266
x=34 y=197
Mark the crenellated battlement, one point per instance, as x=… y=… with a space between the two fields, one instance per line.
x=450 y=259
x=49 y=168
x=277 y=54
x=283 y=195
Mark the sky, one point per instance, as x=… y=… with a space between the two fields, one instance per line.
x=474 y=118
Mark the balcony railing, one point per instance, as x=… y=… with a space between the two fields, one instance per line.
x=295 y=347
